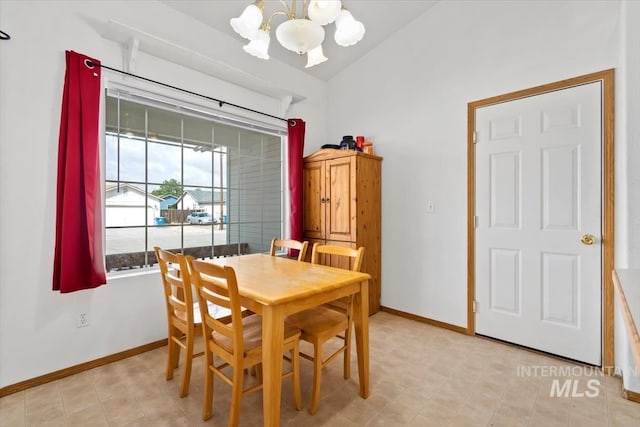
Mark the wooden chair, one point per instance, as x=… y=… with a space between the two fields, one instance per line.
x=333 y=320
x=183 y=321
x=290 y=244
x=239 y=343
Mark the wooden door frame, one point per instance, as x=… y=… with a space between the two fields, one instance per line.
x=607 y=78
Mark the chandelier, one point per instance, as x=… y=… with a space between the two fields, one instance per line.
x=303 y=34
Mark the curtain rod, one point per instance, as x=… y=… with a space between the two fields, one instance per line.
x=220 y=102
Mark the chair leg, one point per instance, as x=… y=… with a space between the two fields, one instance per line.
x=347 y=354
x=207 y=404
x=173 y=355
x=258 y=372
x=236 y=396
x=295 y=378
x=169 y=370
x=317 y=372
x=188 y=360
x=177 y=345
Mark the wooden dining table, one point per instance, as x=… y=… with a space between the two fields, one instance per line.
x=275 y=287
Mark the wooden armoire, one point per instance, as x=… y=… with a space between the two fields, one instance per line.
x=341 y=205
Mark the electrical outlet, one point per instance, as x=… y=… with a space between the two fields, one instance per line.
x=82 y=319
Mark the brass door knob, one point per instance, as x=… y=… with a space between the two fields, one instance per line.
x=588 y=239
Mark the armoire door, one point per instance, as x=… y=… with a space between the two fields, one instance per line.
x=340 y=199
x=313 y=181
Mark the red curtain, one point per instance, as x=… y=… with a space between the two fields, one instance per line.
x=296 y=129
x=79 y=260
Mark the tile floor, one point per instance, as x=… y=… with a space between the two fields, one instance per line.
x=421 y=375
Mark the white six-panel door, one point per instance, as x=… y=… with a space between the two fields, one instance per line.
x=538 y=201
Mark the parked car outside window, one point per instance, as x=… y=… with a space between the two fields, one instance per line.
x=200 y=218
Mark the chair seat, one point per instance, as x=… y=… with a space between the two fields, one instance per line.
x=252 y=334
x=319 y=321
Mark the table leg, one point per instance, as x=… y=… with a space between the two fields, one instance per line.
x=272 y=339
x=361 y=325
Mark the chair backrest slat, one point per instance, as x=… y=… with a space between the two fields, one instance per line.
x=174 y=272
x=301 y=247
x=342 y=257
x=354 y=256
x=218 y=285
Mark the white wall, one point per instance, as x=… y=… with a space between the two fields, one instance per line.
x=632 y=141
x=627 y=174
x=38 y=333
x=410 y=97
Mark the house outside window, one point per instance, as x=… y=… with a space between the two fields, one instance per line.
x=187 y=181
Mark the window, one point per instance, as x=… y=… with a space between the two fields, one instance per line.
x=187 y=180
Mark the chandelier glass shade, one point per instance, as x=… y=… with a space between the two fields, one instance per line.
x=248 y=24
x=348 y=30
x=315 y=57
x=300 y=35
x=259 y=45
x=304 y=34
